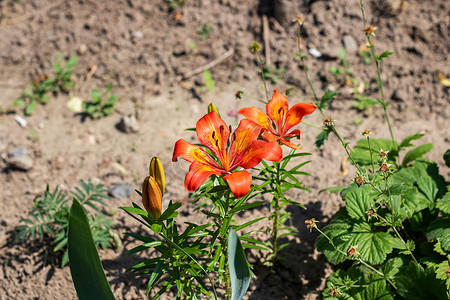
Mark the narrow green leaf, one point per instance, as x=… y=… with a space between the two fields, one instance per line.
x=87 y=271
x=407 y=140
x=416 y=153
x=239 y=271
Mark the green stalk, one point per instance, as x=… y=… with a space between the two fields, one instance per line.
x=380 y=83
x=261 y=63
x=275 y=214
x=370 y=151
x=305 y=68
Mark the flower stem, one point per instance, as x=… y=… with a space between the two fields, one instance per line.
x=371 y=157
x=261 y=63
x=305 y=68
x=380 y=83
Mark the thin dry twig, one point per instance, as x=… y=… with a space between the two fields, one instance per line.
x=209 y=65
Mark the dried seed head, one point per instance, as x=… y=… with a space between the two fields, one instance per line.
x=352 y=251
x=255 y=47
x=359 y=181
x=239 y=94
x=383 y=154
x=370 y=212
x=333 y=292
x=370 y=30
x=310 y=224
x=447 y=272
x=384 y=167
x=327 y=122
x=299 y=19
x=366 y=132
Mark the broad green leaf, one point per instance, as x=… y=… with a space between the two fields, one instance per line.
x=239 y=271
x=394 y=266
x=361 y=153
x=372 y=245
x=416 y=153
x=87 y=271
x=418 y=284
x=359 y=202
x=440 y=229
x=443 y=204
x=407 y=140
x=428 y=187
x=30 y=108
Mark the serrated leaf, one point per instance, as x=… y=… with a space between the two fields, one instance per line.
x=443 y=204
x=416 y=153
x=441 y=272
x=322 y=137
x=359 y=202
x=428 y=187
x=440 y=229
x=362 y=155
x=354 y=284
x=417 y=283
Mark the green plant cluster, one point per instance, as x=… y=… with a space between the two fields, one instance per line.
x=394 y=227
x=39 y=90
x=49 y=216
x=102 y=104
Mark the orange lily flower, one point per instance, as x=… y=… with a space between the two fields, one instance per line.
x=232 y=150
x=280 y=116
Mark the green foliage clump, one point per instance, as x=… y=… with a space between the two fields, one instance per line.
x=394 y=227
x=49 y=216
x=38 y=91
x=99 y=107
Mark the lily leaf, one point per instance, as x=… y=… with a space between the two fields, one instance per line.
x=87 y=271
x=239 y=271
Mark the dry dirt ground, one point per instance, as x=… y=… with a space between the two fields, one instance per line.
x=145 y=50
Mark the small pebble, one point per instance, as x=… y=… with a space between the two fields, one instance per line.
x=349 y=44
x=19 y=152
x=22 y=122
x=138 y=34
x=128 y=124
x=121 y=190
x=314 y=52
x=23 y=163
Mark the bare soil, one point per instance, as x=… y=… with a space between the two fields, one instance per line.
x=145 y=50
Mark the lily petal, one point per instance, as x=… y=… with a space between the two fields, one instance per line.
x=239 y=183
x=198 y=173
x=192 y=153
x=295 y=115
x=213 y=133
x=277 y=108
x=243 y=137
x=260 y=150
x=270 y=137
x=256 y=115
x=289 y=144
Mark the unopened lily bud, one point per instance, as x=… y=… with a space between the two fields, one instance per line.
x=157 y=172
x=212 y=107
x=152 y=197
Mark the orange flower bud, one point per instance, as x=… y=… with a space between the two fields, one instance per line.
x=152 y=197
x=156 y=170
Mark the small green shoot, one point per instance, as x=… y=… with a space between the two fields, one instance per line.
x=204 y=32
x=99 y=108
